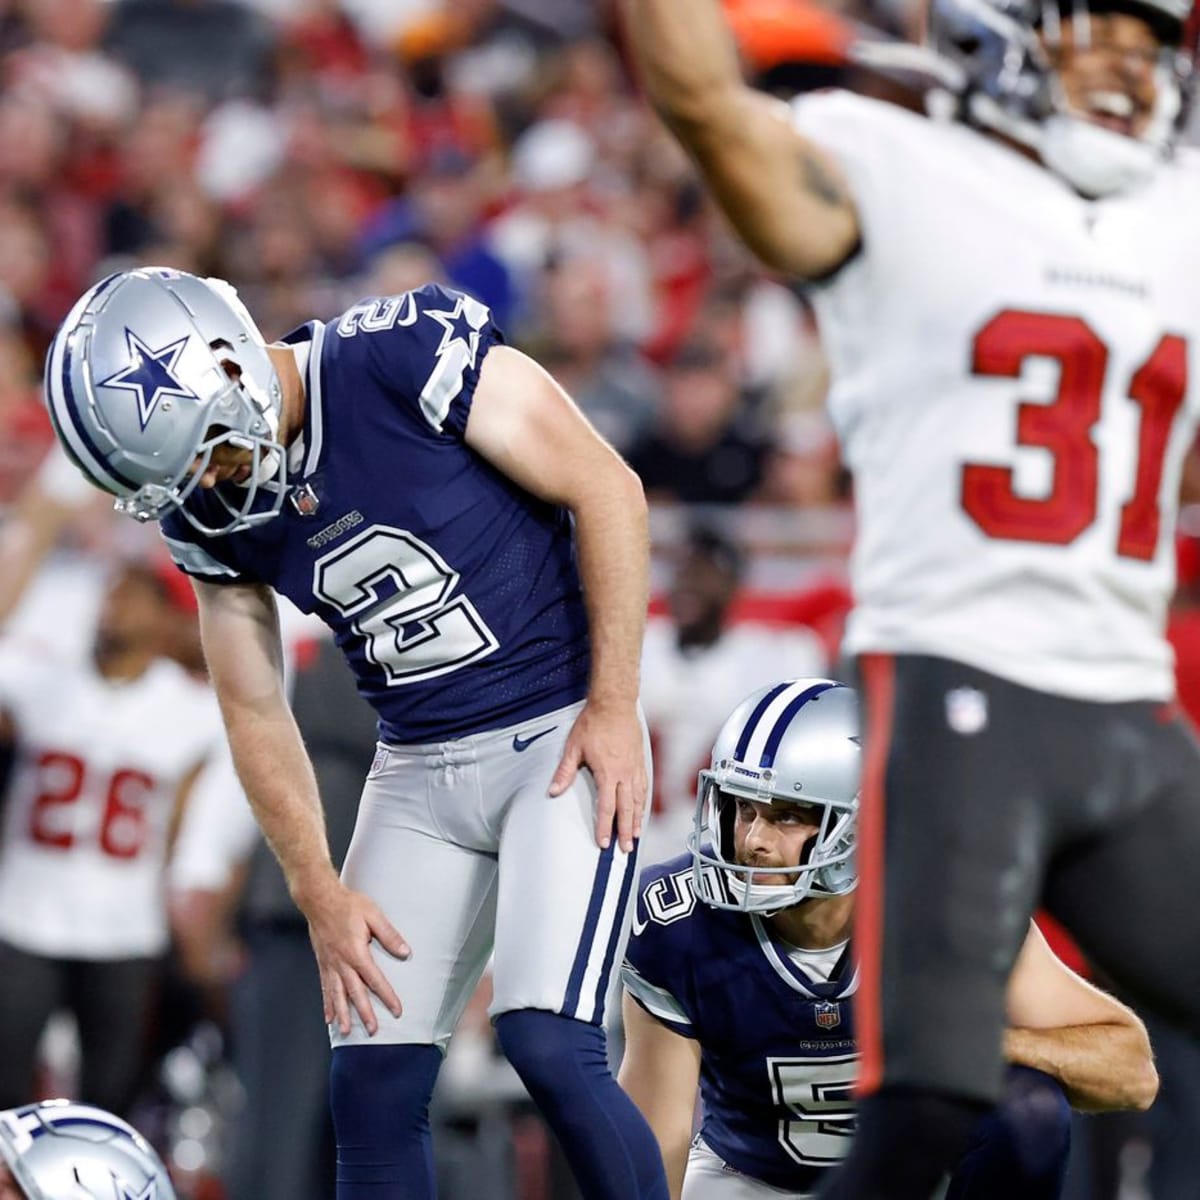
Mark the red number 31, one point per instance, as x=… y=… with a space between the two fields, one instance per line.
x=1064 y=427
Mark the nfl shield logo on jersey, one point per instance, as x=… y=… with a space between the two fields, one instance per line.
x=827 y=1015
x=304 y=500
x=966 y=710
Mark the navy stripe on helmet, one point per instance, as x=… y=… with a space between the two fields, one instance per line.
x=784 y=719
x=753 y=719
x=81 y=429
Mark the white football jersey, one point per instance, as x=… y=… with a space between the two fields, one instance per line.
x=686 y=696
x=1014 y=389
x=98 y=771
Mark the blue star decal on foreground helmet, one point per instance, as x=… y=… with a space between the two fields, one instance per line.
x=458 y=329
x=151 y=374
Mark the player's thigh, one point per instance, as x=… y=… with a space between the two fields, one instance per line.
x=1128 y=894
x=33 y=988
x=439 y=893
x=708 y=1178
x=951 y=847
x=562 y=915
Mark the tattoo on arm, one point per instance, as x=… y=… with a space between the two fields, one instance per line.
x=820 y=182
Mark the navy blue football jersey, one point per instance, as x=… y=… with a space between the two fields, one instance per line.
x=778 y=1057
x=452 y=592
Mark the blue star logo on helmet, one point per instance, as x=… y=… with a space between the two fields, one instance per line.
x=151 y=374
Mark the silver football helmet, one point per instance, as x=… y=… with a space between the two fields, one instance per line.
x=140 y=395
x=795 y=742
x=57 y=1150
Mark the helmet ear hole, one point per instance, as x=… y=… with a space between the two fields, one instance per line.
x=229 y=365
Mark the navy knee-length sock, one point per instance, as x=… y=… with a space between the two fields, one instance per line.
x=379 y=1096
x=564 y=1064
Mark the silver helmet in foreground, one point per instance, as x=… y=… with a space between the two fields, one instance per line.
x=796 y=742
x=151 y=371
x=57 y=1150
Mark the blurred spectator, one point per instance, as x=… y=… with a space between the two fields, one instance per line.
x=766 y=329
x=703 y=449
x=66 y=64
x=444 y=209
x=401 y=268
x=505 y=56
x=555 y=217
x=802 y=467
x=666 y=210
x=24 y=428
x=213 y=48
x=157 y=150
x=693 y=660
x=603 y=373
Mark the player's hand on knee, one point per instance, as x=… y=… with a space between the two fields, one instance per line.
x=608 y=741
x=342 y=928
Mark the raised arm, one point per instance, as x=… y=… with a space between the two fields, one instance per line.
x=54 y=497
x=783 y=194
x=1093 y=1045
x=526 y=426
x=660 y=1073
x=240 y=630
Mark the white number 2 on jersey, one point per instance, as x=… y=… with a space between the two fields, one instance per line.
x=819 y=1092
x=413 y=625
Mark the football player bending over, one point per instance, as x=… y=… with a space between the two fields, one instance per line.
x=749 y=993
x=481 y=555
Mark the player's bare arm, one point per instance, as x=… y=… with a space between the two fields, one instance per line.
x=660 y=1073
x=1092 y=1044
x=527 y=427
x=47 y=505
x=784 y=195
x=239 y=627
x=182 y=794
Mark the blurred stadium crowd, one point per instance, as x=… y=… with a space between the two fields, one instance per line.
x=314 y=152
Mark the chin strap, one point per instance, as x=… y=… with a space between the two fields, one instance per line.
x=1096 y=162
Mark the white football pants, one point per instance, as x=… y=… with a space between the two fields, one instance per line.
x=709 y=1177
x=464 y=851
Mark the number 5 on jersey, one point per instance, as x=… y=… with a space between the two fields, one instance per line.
x=399 y=594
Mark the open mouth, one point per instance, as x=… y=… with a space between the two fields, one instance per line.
x=1113 y=110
